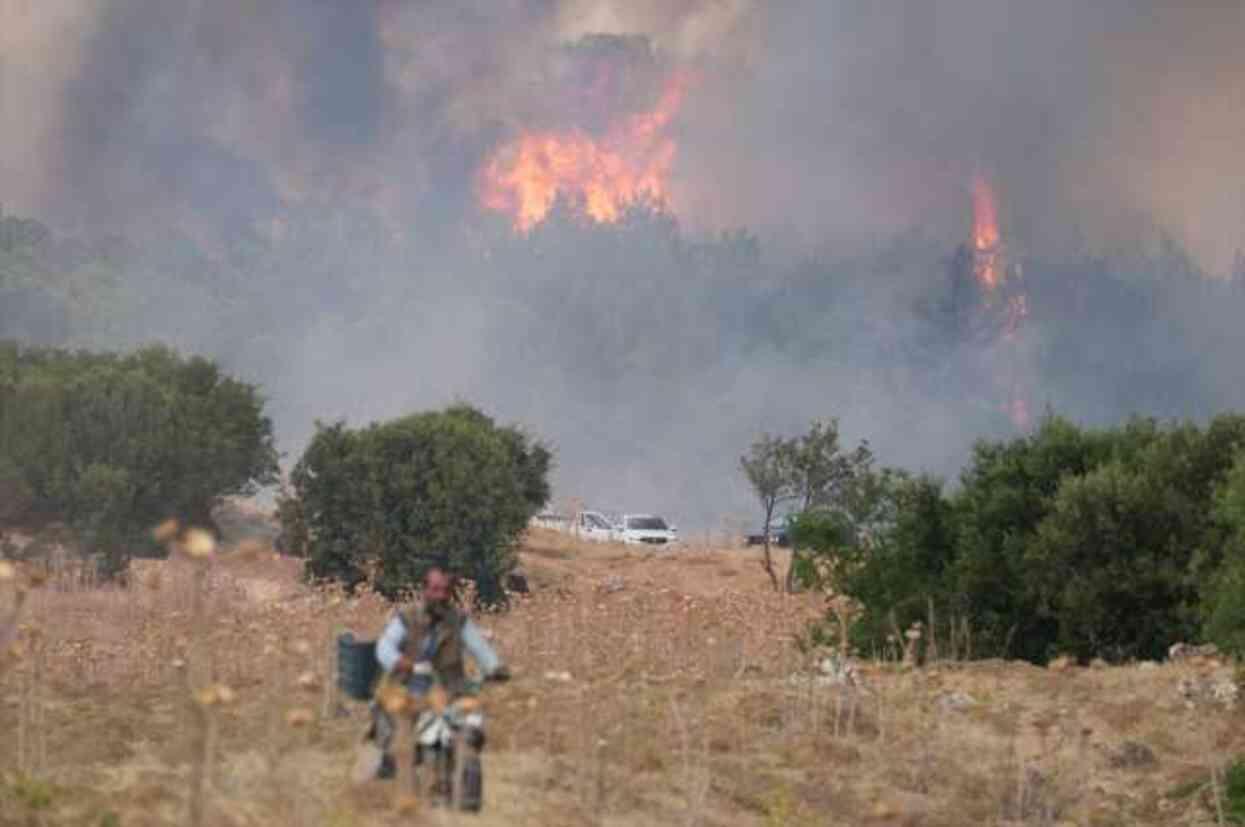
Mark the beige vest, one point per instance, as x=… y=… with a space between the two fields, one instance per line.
x=447 y=652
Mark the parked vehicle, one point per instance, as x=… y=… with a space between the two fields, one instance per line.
x=551 y=520
x=778 y=535
x=646 y=529
x=594 y=526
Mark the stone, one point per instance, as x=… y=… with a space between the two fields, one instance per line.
x=1225 y=691
x=1219 y=688
x=837 y=670
x=955 y=701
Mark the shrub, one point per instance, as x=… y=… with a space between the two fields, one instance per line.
x=1224 y=608
x=1109 y=543
x=1234 y=792
x=1107 y=568
x=387 y=501
x=897 y=568
x=1224 y=603
x=16 y=497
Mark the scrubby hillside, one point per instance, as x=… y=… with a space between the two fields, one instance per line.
x=650 y=689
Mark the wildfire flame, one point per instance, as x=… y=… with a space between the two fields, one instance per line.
x=630 y=164
x=1008 y=305
x=987 y=258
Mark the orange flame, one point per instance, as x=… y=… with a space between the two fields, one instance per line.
x=1017 y=409
x=990 y=269
x=630 y=164
x=987 y=266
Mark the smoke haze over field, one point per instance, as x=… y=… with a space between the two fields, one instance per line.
x=305 y=174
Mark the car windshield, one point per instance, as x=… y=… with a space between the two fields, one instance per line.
x=646 y=523
x=596 y=522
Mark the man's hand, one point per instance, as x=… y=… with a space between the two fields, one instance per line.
x=404 y=665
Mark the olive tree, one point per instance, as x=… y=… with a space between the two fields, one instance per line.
x=385 y=502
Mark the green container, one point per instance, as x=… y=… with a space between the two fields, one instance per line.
x=357 y=667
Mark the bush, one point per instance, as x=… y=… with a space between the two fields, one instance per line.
x=1224 y=603
x=16 y=497
x=1110 y=543
x=1107 y=568
x=895 y=570
x=1234 y=792
x=385 y=502
x=1224 y=608
x=113 y=445
x=1007 y=490
x=905 y=570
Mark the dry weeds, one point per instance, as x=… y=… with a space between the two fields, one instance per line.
x=651 y=688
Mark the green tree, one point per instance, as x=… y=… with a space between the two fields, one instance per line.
x=114 y=444
x=1065 y=533
x=1099 y=543
x=1005 y=493
x=1107 y=570
x=385 y=502
x=812 y=472
x=768 y=466
x=1223 y=605
x=825 y=477
x=897 y=566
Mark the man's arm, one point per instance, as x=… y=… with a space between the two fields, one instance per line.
x=389 y=645
x=485 y=657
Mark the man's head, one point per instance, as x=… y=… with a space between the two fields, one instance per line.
x=438 y=590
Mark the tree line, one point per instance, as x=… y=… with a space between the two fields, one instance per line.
x=1090 y=542
x=1094 y=542
x=107 y=447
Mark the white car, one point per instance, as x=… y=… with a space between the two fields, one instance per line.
x=594 y=526
x=646 y=529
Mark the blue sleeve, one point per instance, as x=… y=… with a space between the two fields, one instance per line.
x=389 y=645
x=479 y=648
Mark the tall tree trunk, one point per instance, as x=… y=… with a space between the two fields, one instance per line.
x=768 y=563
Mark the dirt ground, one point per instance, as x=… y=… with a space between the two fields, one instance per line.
x=651 y=688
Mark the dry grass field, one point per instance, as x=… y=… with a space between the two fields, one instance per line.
x=650 y=689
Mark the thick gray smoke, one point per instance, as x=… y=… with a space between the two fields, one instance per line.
x=296 y=183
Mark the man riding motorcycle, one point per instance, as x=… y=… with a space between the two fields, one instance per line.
x=421 y=650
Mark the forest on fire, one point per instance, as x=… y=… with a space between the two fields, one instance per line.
x=624 y=313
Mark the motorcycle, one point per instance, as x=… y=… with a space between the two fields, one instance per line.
x=448 y=734
x=448 y=740
x=446 y=737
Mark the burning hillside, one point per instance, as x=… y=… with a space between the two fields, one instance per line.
x=988 y=265
x=629 y=164
x=1003 y=305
